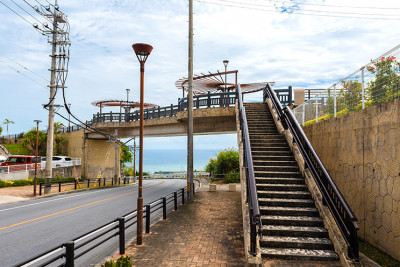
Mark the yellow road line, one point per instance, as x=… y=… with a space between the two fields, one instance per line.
x=78 y=207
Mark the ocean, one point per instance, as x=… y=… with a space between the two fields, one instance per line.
x=174 y=159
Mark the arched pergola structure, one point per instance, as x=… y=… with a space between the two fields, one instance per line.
x=127 y=105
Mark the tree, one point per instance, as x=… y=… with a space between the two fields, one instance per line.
x=226 y=165
x=29 y=140
x=351 y=94
x=7 y=122
x=126 y=156
x=1 y=129
x=58 y=139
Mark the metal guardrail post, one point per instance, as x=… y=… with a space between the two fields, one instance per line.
x=121 y=221
x=88 y=183
x=148 y=219
x=164 y=213
x=40 y=189
x=183 y=195
x=194 y=191
x=59 y=186
x=175 y=201
x=75 y=186
x=99 y=181
x=69 y=254
x=104 y=181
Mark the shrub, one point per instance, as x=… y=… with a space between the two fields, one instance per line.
x=226 y=165
x=123 y=261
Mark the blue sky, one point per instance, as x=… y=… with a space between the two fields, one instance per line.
x=283 y=46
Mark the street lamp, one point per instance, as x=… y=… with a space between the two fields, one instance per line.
x=142 y=51
x=36 y=156
x=127 y=99
x=226 y=65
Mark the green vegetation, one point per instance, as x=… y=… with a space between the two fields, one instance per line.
x=17 y=149
x=29 y=141
x=126 y=156
x=226 y=166
x=377 y=255
x=123 y=261
x=1 y=129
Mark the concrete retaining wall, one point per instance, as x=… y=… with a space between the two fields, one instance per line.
x=361 y=152
x=64 y=172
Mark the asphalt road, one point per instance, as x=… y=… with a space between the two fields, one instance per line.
x=31 y=227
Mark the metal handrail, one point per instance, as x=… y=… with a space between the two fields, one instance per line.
x=92 y=236
x=331 y=195
x=252 y=198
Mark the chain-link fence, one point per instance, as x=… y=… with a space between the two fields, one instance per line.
x=374 y=83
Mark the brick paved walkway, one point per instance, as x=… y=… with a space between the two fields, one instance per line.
x=207 y=232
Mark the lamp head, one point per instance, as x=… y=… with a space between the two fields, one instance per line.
x=37 y=121
x=142 y=51
x=225 y=62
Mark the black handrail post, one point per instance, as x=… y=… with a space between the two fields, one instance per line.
x=99 y=181
x=147 y=219
x=59 y=186
x=172 y=108
x=290 y=95
x=104 y=181
x=40 y=189
x=183 y=195
x=164 y=201
x=75 y=186
x=221 y=100
x=69 y=254
x=112 y=181
x=194 y=191
x=88 y=183
x=209 y=99
x=175 y=201
x=121 y=223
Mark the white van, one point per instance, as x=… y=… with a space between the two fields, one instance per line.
x=2 y=158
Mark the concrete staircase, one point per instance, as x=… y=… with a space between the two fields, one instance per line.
x=292 y=228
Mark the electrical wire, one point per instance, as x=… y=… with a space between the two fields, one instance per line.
x=23 y=74
x=297 y=13
x=307 y=10
x=26 y=68
x=27 y=12
x=336 y=6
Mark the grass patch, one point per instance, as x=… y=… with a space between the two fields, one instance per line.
x=17 y=149
x=377 y=255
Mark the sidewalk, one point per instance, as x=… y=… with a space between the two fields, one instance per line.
x=207 y=232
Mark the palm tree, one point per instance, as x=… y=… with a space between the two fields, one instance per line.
x=7 y=122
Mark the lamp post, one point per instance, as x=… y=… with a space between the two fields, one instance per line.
x=226 y=65
x=142 y=51
x=69 y=117
x=36 y=156
x=127 y=104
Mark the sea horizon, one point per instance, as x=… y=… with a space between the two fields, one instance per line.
x=174 y=160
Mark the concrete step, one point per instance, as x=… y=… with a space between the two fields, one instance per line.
x=274 y=163
x=294 y=231
x=282 y=187
x=280 y=174
x=269 y=148
x=299 y=254
x=283 y=194
x=288 y=168
x=275 y=180
x=272 y=158
x=296 y=242
x=268 y=143
x=272 y=153
x=282 y=202
x=289 y=211
x=292 y=220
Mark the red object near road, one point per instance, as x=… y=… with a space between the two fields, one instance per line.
x=20 y=163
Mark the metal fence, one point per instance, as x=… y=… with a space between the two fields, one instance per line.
x=372 y=84
x=116 y=232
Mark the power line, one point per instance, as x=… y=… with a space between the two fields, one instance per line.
x=26 y=68
x=296 y=13
x=325 y=5
x=26 y=12
x=308 y=10
x=23 y=74
x=16 y=13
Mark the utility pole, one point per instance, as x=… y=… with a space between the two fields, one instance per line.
x=50 y=127
x=190 y=108
x=134 y=158
x=113 y=140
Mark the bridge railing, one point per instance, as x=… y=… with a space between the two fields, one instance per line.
x=116 y=232
x=199 y=101
x=331 y=195
x=252 y=198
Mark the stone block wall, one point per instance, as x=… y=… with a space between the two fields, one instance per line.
x=361 y=151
